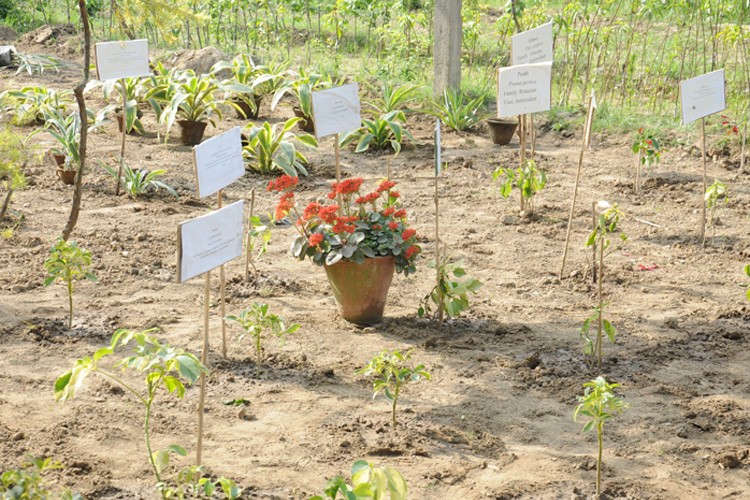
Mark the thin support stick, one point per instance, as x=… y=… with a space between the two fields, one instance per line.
x=533 y=135
x=388 y=168
x=204 y=361
x=575 y=195
x=124 y=134
x=593 y=247
x=223 y=293
x=744 y=149
x=338 y=161
x=705 y=186
x=247 y=242
x=437 y=254
x=522 y=138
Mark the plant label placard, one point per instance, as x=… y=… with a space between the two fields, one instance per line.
x=122 y=59
x=438 y=149
x=524 y=89
x=218 y=162
x=336 y=110
x=208 y=241
x=532 y=46
x=702 y=96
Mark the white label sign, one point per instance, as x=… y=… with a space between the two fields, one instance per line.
x=702 y=96
x=438 y=147
x=123 y=59
x=218 y=162
x=524 y=89
x=336 y=110
x=209 y=241
x=532 y=46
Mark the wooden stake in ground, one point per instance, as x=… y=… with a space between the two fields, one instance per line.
x=124 y=134
x=589 y=118
x=743 y=150
x=705 y=185
x=593 y=247
x=438 y=168
x=247 y=244
x=222 y=294
x=533 y=136
x=388 y=168
x=204 y=361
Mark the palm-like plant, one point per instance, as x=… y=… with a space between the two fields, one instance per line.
x=31 y=104
x=269 y=148
x=302 y=84
x=140 y=181
x=380 y=132
x=250 y=83
x=459 y=112
x=135 y=89
x=394 y=98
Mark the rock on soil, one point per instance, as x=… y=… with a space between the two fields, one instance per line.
x=199 y=60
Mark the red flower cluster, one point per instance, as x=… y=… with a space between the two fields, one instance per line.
x=285 y=205
x=729 y=126
x=315 y=239
x=400 y=214
x=388 y=211
x=328 y=214
x=342 y=227
x=311 y=210
x=411 y=251
x=395 y=195
x=393 y=226
x=386 y=185
x=408 y=234
x=368 y=198
x=283 y=183
x=349 y=186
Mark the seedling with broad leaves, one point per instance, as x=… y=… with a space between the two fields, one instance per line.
x=648 y=149
x=392 y=370
x=368 y=483
x=606 y=223
x=451 y=293
x=68 y=263
x=600 y=404
x=258 y=237
x=192 y=482
x=164 y=368
x=715 y=194
x=589 y=344
x=29 y=483
x=257 y=322
x=528 y=179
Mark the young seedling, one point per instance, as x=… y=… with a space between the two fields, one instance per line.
x=192 y=482
x=368 y=483
x=452 y=293
x=162 y=366
x=600 y=404
x=258 y=237
x=589 y=346
x=29 y=483
x=648 y=149
x=606 y=223
x=257 y=322
x=392 y=370
x=716 y=192
x=68 y=263
x=528 y=179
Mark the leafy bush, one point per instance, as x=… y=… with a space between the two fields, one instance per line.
x=269 y=148
x=459 y=112
x=528 y=179
x=368 y=483
x=451 y=294
x=382 y=131
x=140 y=181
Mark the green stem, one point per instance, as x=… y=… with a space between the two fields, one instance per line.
x=393 y=407
x=124 y=385
x=601 y=303
x=69 y=282
x=599 y=429
x=148 y=437
x=258 y=354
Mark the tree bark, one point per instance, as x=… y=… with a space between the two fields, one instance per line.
x=78 y=92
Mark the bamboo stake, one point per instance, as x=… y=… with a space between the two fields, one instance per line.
x=743 y=149
x=338 y=162
x=637 y=184
x=247 y=241
x=705 y=187
x=204 y=361
x=437 y=252
x=575 y=192
x=533 y=135
x=593 y=247
x=522 y=138
x=223 y=293
x=388 y=168
x=124 y=134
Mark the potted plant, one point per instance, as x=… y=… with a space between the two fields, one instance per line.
x=267 y=149
x=135 y=89
x=302 y=85
x=256 y=81
x=359 y=240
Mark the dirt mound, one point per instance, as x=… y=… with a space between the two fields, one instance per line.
x=199 y=60
x=7 y=34
x=47 y=35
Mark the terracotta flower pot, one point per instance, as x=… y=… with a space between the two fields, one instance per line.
x=245 y=111
x=307 y=124
x=67 y=176
x=191 y=132
x=501 y=131
x=119 y=118
x=361 y=289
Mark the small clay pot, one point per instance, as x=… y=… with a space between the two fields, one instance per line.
x=307 y=124
x=67 y=176
x=191 y=132
x=246 y=111
x=119 y=118
x=501 y=131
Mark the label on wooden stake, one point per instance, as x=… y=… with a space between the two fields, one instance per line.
x=438 y=149
x=702 y=96
x=208 y=241
x=122 y=59
x=524 y=89
x=218 y=162
x=336 y=110
x=532 y=46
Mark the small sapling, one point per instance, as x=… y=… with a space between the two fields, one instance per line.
x=392 y=370
x=589 y=346
x=606 y=223
x=29 y=483
x=528 y=179
x=716 y=193
x=451 y=294
x=191 y=482
x=258 y=237
x=163 y=367
x=257 y=322
x=68 y=263
x=648 y=149
x=368 y=483
x=600 y=404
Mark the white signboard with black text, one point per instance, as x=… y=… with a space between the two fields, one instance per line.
x=121 y=59
x=702 y=96
x=532 y=46
x=524 y=89
x=218 y=162
x=336 y=110
x=208 y=241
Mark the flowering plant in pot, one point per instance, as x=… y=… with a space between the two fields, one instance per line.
x=360 y=238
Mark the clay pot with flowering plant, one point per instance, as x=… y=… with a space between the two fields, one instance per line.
x=360 y=238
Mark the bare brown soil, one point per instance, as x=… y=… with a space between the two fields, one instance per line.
x=495 y=421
